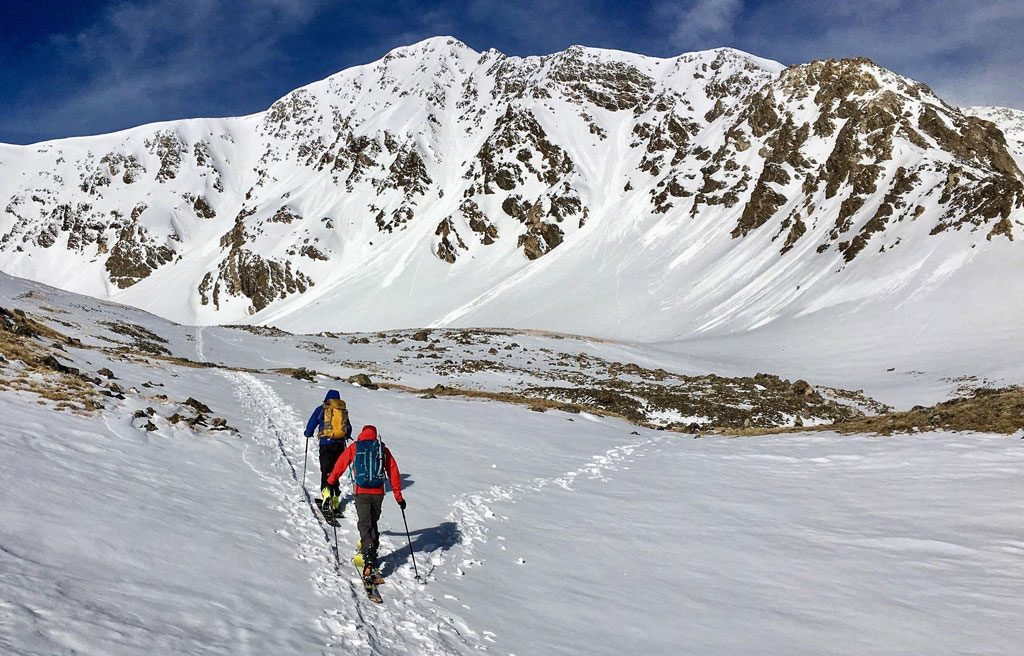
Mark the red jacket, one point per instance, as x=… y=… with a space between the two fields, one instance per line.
x=349 y=454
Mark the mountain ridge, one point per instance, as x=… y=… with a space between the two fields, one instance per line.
x=440 y=186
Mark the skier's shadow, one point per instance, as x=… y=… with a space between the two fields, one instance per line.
x=407 y=482
x=442 y=537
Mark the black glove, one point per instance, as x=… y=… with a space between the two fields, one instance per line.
x=401 y=504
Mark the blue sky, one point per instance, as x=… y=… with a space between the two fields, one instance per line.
x=81 y=67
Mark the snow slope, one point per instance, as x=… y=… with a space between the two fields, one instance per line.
x=538 y=533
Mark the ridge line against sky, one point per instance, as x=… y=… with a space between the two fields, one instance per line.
x=74 y=68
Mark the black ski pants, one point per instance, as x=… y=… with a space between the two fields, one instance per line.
x=329 y=454
x=368 y=507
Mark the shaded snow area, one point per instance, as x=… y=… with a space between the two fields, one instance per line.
x=124 y=530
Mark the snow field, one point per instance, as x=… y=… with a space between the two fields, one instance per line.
x=715 y=545
x=445 y=551
x=116 y=541
x=791 y=544
x=538 y=533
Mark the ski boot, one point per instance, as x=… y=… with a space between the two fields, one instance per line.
x=367 y=569
x=326 y=503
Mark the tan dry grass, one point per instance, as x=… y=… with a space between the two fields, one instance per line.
x=24 y=339
x=502 y=397
x=985 y=411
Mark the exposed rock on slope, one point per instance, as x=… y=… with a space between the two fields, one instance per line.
x=831 y=137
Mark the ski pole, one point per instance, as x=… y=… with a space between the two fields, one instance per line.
x=411 y=554
x=337 y=556
x=305 y=458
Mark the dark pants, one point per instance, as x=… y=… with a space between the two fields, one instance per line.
x=329 y=454
x=368 y=508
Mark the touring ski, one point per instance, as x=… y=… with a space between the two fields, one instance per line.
x=370 y=582
x=357 y=560
x=327 y=516
x=371 y=591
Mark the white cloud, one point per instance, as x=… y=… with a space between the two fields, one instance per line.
x=158 y=60
x=166 y=59
x=969 y=52
x=701 y=24
x=541 y=26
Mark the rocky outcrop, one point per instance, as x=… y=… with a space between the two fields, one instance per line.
x=285 y=214
x=201 y=207
x=517 y=146
x=407 y=172
x=135 y=255
x=611 y=85
x=863 y=116
x=126 y=167
x=248 y=274
x=257 y=278
x=449 y=241
x=541 y=236
x=169 y=150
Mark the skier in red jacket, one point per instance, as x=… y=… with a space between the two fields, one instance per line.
x=370 y=461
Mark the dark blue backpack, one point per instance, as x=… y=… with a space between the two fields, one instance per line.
x=368 y=465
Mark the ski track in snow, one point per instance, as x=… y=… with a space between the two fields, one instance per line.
x=472 y=511
x=357 y=625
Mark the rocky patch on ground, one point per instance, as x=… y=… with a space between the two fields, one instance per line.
x=701 y=403
x=32 y=360
x=574 y=381
x=142 y=339
x=998 y=410
x=39 y=360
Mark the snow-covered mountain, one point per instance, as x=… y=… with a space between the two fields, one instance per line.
x=588 y=191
